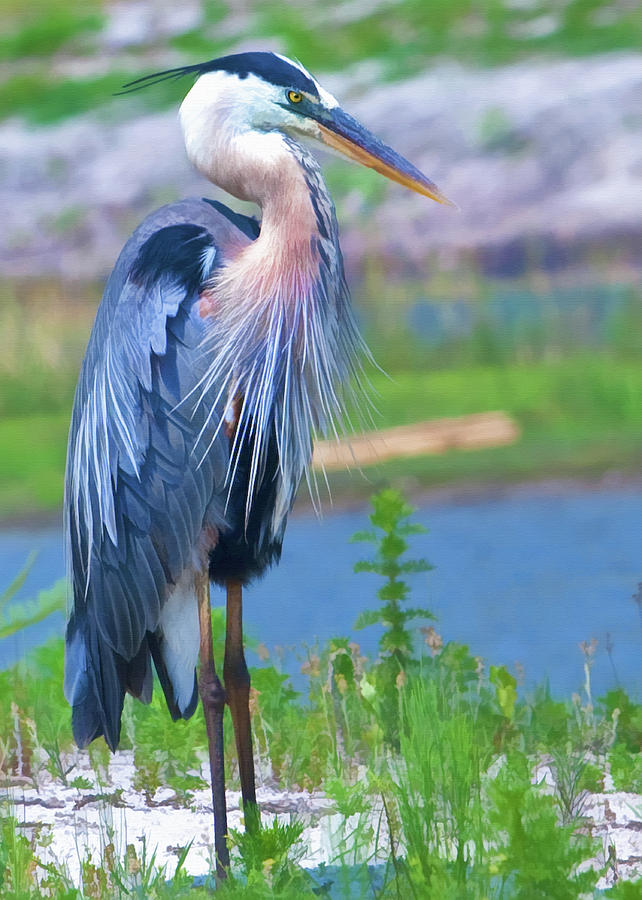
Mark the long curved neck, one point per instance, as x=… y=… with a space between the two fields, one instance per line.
x=282 y=331
x=298 y=229
x=285 y=258
x=284 y=192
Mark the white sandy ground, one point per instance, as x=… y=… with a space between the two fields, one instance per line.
x=80 y=823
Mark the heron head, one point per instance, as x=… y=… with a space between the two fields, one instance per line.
x=264 y=92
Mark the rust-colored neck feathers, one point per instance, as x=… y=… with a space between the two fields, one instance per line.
x=281 y=265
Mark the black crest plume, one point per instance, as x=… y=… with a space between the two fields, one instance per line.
x=265 y=65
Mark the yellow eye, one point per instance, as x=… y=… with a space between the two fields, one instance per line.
x=295 y=96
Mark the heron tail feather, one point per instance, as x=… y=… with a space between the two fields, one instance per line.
x=96 y=680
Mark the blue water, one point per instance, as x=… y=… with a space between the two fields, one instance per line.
x=522 y=576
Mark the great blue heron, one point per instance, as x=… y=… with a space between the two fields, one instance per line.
x=217 y=352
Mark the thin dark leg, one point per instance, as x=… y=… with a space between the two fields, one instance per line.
x=237 y=688
x=213 y=700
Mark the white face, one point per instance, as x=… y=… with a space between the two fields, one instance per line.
x=251 y=104
x=234 y=127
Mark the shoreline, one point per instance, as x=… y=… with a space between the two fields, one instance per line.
x=353 y=500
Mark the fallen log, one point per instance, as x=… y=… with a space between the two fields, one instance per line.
x=487 y=429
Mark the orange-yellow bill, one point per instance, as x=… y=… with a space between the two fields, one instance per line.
x=343 y=133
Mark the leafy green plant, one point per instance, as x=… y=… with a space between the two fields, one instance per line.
x=16 y=859
x=134 y=873
x=628 y=715
x=626 y=769
x=37 y=718
x=437 y=788
x=546 y=721
x=572 y=778
x=80 y=783
x=538 y=857
x=625 y=890
x=273 y=698
x=391 y=528
x=23 y=875
x=267 y=860
x=167 y=753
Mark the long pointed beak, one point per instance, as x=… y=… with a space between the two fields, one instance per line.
x=343 y=133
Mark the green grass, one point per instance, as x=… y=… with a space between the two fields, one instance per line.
x=580 y=417
x=581 y=391
x=40 y=28
x=49 y=32
x=410 y=34
x=424 y=750
x=33 y=461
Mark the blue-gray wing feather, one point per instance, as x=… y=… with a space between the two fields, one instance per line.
x=146 y=463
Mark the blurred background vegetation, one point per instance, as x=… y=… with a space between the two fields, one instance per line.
x=554 y=340
x=402 y=37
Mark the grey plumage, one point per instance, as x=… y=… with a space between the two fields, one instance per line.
x=138 y=490
x=149 y=466
x=219 y=349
